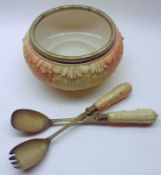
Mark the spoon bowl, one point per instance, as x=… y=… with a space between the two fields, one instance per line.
x=30 y=121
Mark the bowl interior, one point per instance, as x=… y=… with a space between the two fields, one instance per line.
x=72 y=32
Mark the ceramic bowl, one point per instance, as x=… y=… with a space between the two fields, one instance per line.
x=73 y=47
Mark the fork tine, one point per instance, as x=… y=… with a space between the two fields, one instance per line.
x=17 y=167
x=15 y=163
x=12 y=158
x=12 y=151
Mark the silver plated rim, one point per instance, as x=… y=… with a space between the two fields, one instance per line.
x=50 y=56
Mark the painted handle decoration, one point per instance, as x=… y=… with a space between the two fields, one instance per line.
x=138 y=116
x=116 y=94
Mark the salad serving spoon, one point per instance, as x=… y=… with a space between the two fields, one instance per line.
x=31 y=121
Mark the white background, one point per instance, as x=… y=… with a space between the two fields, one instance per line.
x=85 y=149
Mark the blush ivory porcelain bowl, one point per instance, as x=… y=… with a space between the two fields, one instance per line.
x=73 y=47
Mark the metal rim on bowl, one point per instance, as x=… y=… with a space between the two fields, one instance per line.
x=50 y=56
